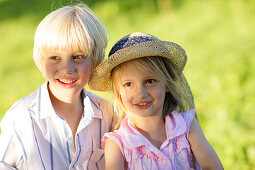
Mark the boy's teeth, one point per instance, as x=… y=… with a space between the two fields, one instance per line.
x=67 y=81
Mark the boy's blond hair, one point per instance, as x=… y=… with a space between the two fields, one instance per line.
x=73 y=28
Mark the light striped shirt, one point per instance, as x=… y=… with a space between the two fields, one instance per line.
x=35 y=137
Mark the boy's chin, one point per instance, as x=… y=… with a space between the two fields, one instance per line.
x=64 y=94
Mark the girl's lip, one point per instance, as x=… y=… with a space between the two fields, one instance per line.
x=143 y=105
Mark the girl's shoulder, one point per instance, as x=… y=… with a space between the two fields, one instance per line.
x=116 y=137
x=178 y=123
x=125 y=136
x=187 y=115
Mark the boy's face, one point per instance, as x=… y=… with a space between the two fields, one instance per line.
x=67 y=72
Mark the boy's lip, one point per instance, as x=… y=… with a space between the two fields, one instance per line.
x=67 y=82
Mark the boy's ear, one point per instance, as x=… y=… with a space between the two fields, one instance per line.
x=43 y=69
x=43 y=72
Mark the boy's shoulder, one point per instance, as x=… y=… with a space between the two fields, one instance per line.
x=101 y=106
x=20 y=110
x=98 y=100
x=25 y=102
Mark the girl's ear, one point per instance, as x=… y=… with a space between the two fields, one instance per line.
x=167 y=89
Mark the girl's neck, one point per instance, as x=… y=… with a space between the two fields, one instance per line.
x=153 y=128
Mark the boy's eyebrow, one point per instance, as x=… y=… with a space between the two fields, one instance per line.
x=81 y=53
x=50 y=54
x=55 y=52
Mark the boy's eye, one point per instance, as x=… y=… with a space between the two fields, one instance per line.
x=79 y=58
x=54 y=58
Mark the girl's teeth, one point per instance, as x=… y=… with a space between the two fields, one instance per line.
x=142 y=104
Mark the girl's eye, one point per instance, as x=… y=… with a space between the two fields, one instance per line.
x=150 y=81
x=128 y=84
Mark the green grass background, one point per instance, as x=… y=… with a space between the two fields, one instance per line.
x=219 y=39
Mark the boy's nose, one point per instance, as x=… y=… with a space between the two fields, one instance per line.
x=69 y=67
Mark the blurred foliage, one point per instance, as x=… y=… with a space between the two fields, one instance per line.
x=217 y=35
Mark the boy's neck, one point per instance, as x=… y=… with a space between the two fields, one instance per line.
x=71 y=111
x=64 y=108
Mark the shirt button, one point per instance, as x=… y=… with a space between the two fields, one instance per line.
x=165 y=161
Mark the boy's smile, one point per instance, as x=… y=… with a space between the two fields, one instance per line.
x=67 y=73
x=67 y=82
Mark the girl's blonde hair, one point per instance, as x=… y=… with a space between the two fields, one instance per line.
x=176 y=97
x=74 y=28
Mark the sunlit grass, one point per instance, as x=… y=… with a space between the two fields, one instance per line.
x=218 y=37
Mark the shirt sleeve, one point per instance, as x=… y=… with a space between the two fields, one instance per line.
x=9 y=153
x=116 y=138
x=4 y=166
x=188 y=116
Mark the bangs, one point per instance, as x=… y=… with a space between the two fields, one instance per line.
x=65 y=33
x=144 y=63
x=72 y=28
x=150 y=64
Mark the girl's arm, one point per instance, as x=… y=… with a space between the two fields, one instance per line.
x=113 y=156
x=203 y=151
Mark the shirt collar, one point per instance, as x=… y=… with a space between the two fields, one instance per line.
x=45 y=108
x=175 y=125
x=94 y=103
x=132 y=138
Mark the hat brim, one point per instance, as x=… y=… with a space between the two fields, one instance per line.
x=101 y=77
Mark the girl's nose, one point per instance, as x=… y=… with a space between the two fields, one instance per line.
x=141 y=91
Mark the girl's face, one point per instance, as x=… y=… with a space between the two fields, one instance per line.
x=141 y=91
x=67 y=73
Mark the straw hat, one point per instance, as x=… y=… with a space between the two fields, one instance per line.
x=134 y=46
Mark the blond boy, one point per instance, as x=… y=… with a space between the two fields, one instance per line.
x=60 y=125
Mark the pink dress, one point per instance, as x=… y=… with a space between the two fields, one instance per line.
x=174 y=153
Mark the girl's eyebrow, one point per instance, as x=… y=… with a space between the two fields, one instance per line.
x=126 y=80
x=150 y=76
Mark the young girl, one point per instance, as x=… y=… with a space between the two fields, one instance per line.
x=158 y=127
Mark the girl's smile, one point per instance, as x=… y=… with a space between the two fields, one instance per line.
x=143 y=105
x=141 y=91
